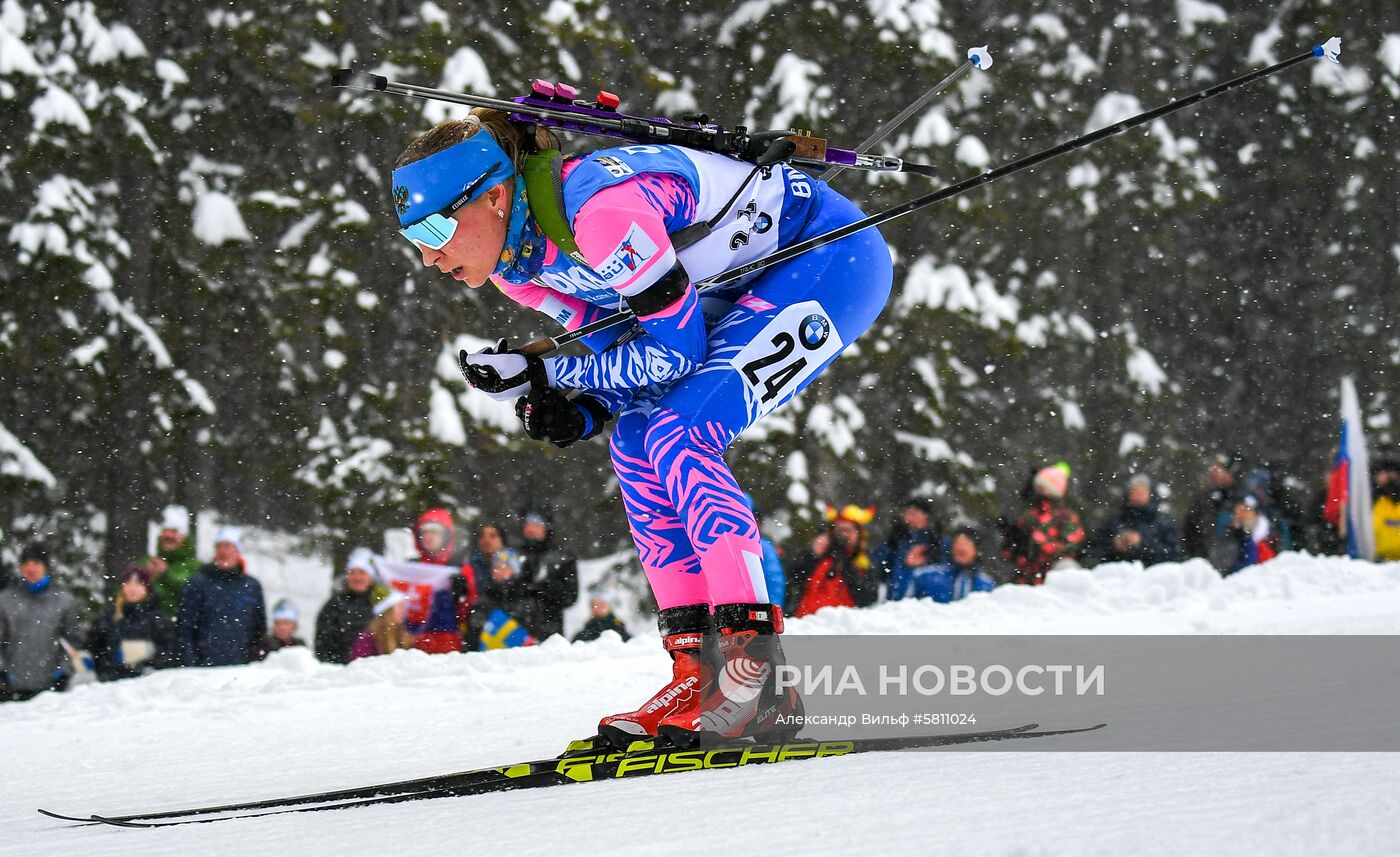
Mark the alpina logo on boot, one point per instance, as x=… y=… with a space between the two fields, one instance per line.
x=692 y=640
x=664 y=700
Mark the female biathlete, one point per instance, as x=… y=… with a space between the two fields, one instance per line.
x=636 y=227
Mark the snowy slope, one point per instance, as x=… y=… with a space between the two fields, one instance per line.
x=292 y=725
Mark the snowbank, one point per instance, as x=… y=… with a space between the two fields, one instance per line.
x=292 y=725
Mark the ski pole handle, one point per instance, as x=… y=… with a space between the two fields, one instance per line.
x=540 y=347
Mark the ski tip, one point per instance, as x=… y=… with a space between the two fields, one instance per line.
x=981 y=57
x=116 y=822
x=1331 y=49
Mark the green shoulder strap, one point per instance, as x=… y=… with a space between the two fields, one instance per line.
x=544 y=188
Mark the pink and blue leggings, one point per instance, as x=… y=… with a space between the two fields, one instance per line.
x=693 y=525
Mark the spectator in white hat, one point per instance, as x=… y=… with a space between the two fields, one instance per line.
x=350 y=608
x=284 y=628
x=223 y=617
x=174 y=562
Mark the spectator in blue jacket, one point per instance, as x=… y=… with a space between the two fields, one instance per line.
x=961 y=574
x=914 y=544
x=222 y=613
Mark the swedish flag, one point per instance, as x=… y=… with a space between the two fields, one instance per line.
x=503 y=632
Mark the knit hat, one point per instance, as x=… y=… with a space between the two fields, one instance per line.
x=176 y=518
x=382 y=603
x=861 y=516
x=232 y=535
x=1051 y=482
x=1140 y=479
x=136 y=572
x=362 y=558
x=34 y=552
x=285 y=609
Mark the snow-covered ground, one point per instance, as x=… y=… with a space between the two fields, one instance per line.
x=292 y=725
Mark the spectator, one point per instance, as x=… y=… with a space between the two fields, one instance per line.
x=603 y=620
x=548 y=580
x=1278 y=503
x=1139 y=532
x=132 y=636
x=222 y=614
x=1206 y=529
x=349 y=610
x=1385 y=510
x=284 y=628
x=490 y=540
x=37 y=621
x=440 y=630
x=174 y=562
x=505 y=599
x=961 y=574
x=1046 y=533
x=500 y=629
x=388 y=630
x=839 y=573
x=1257 y=542
x=918 y=544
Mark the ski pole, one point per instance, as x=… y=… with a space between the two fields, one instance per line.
x=976 y=58
x=1331 y=49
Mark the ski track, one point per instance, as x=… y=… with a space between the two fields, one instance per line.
x=291 y=725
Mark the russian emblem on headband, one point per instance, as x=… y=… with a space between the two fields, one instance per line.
x=401 y=198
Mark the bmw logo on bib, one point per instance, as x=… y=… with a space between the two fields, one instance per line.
x=814 y=331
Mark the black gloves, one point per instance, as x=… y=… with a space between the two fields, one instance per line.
x=549 y=415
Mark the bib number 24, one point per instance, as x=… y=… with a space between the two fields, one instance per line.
x=787 y=352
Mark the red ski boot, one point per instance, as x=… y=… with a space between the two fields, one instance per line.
x=685 y=633
x=745 y=701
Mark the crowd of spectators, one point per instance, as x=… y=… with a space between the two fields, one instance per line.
x=171 y=610
x=1241 y=516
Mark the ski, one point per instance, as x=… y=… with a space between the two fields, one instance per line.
x=605 y=766
x=575 y=748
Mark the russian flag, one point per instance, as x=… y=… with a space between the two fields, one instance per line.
x=1348 y=506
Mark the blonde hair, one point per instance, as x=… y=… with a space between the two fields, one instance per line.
x=388 y=634
x=514 y=137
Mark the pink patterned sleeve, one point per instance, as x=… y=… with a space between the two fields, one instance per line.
x=622 y=233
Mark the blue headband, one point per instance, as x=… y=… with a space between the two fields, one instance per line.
x=429 y=185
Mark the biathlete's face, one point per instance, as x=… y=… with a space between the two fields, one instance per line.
x=474 y=249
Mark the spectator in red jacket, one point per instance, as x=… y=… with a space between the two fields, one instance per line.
x=440 y=631
x=839 y=574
